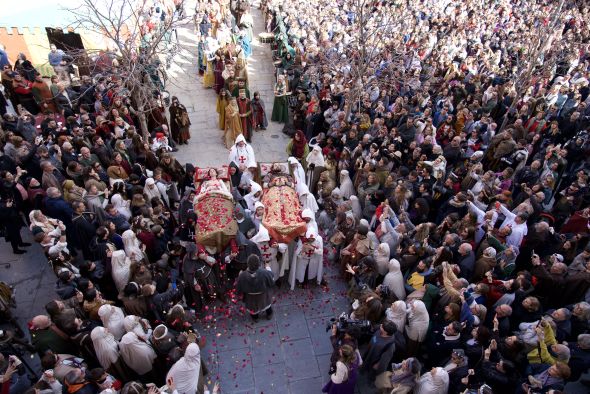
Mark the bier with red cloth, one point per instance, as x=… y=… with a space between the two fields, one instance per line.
x=216 y=225
x=282 y=213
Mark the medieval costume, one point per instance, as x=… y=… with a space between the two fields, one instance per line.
x=233 y=123
x=280 y=109
x=245 y=114
x=255 y=284
x=179 y=122
x=222 y=102
x=259 y=112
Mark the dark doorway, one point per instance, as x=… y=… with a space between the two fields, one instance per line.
x=71 y=44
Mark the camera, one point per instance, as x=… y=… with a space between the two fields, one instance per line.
x=345 y=325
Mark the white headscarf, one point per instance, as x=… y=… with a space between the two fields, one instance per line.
x=357 y=211
x=312 y=224
x=120 y=269
x=250 y=198
x=433 y=384
x=185 y=372
x=132 y=324
x=394 y=280
x=315 y=157
x=298 y=172
x=137 y=354
x=306 y=198
x=346 y=186
x=151 y=192
x=121 y=205
x=132 y=246
x=397 y=314
x=105 y=347
x=381 y=256
x=112 y=318
x=418 y=321
x=261 y=236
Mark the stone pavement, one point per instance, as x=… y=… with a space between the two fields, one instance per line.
x=205 y=147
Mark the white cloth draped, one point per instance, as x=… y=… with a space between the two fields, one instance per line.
x=132 y=246
x=394 y=280
x=137 y=354
x=112 y=318
x=185 y=372
x=121 y=265
x=105 y=347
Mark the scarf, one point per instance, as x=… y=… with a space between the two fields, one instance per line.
x=299 y=146
x=185 y=372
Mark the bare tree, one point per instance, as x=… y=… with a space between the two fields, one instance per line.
x=139 y=38
x=538 y=54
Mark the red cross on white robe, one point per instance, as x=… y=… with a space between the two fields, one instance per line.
x=242 y=159
x=309 y=253
x=265 y=247
x=266 y=256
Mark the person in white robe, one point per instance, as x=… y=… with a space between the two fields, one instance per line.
x=121 y=205
x=309 y=218
x=308 y=257
x=381 y=256
x=346 y=186
x=105 y=347
x=357 y=211
x=314 y=159
x=242 y=154
x=132 y=246
x=112 y=318
x=186 y=372
x=397 y=314
x=269 y=250
x=258 y=214
x=137 y=353
x=434 y=382
x=253 y=196
x=394 y=280
x=306 y=199
x=141 y=327
x=150 y=190
x=121 y=265
x=298 y=172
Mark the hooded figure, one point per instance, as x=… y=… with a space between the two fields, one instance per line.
x=381 y=256
x=121 y=205
x=434 y=382
x=254 y=196
x=269 y=250
x=357 y=211
x=394 y=280
x=346 y=186
x=132 y=246
x=309 y=217
x=308 y=257
x=105 y=347
x=306 y=199
x=298 y=172
x=397 y=314
x=136 y=353
x=150 y=190
x=242 y=155
x=112 y=319
x=120 y=264
x=186 y=372
x=418 y=321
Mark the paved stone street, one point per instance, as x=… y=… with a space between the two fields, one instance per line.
x=288 y=354
x=205 y=147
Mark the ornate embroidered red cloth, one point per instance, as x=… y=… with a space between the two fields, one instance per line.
x=282 y=215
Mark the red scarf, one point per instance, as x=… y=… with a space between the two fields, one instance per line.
x=299 y=146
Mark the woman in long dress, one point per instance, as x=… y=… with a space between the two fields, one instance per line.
x=280 y=109
x=219 y=66
x=233 y=123
x=222 y=101
x=211 y=46
x=179 y=122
